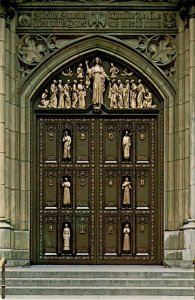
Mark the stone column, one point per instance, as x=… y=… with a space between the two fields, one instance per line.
x=192 y=113
x=3 y=223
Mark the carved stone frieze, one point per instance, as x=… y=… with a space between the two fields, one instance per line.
x=96 y=88
x=98 y=20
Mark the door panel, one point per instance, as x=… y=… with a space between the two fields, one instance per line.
x=114 y=208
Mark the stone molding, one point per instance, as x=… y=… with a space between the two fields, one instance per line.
x=9 y=8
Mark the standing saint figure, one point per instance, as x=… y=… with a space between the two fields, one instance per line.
x=113 y=71
x=113 y=93
x=53 y=95
x=126 y=186
x=80 y=73
x=67 y=145
x=74 y=94
x=98 y=75
x=126 y=238
x=66 y=237
x=81 y=94
x=126 y=94
x=126 y=145
x=66 y=186
x=60 y=94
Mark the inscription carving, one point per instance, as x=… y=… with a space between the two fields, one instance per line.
x=99 y=19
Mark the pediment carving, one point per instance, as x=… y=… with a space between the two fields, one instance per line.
x=96 y=81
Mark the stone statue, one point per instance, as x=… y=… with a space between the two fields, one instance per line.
x=53 y=98
x=74 y=94
x=126 y=238
x=120 y=94
x=98 y=75
x=113 y=94
x=126 y=186
x=80 y=73
x=113 y=71
x=126 y=94
x=81 y=94
x=60 y=94
x=44 y=102
x=66 y=186
x=126 y=145
x=147 y=103
x=66 y=237
x=67 y=94
x=67 y=145
x=141 y=92
x=133 y=94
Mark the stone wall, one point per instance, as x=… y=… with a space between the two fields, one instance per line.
x=37 y=40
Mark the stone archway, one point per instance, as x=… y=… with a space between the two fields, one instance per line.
x=88 y=45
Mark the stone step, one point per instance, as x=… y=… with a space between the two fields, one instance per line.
x=32 y=273
x=96 y=282
x=81 y=291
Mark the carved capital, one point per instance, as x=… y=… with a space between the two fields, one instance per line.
x=7 y=8
x=186 y=10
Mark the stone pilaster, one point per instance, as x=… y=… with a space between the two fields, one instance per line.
x=3 y=223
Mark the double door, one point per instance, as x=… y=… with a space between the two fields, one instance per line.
x=97 y=195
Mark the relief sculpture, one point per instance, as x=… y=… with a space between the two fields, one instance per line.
x=88 y=83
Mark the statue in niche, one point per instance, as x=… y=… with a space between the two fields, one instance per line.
x=141 y=92
x=120 y=94
x=44 y=102
x=81 y=94
x=113 y=94
x=66 y=237
x=126 y=94
x=67 y=94
x=98 y=75
x=74 y=94
x=80 y=73
x=67 y=145
x=60 y=94
x=113 y=71
x=126 y=186
x=133 y=94
x=126 y=238
x=126 y=145
x=53 y=97
x=66 y=196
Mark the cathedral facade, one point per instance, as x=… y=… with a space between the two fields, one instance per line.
x=97 y=122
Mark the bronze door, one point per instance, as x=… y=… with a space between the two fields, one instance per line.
x=97 y=202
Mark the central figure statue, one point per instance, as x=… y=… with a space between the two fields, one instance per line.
x=97 y=73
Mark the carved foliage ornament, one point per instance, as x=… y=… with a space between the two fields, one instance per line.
x=161 y=50
x=32 y=50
